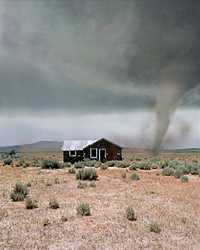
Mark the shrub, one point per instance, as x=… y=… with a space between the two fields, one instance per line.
x=186 y=169
x=12 y=153
x=28 y=184
x=130 y=214
x=93 y=184
x=138 y=158
x=78 y=165
x=110 y=163
x=195 y=169
x=46 y=222
x=178 y=173
x=144 y=165
x=135 y=177
x=7 y=161
x=98 y=164
x=72 y=171
x=26 y=165
x=21 y=162
x=35 y=163
x=31 y=204
x=184 y=178
x=121 y=164
x=103 y=167
x=5 y=155
x=83 y=209
x=154 y=166
x=87 y=174
x=155 y=163
x=81 y=185
x=164 y=164
x=155 y=228
x=54 y=204
x=17 y=165
x=90 y=163
x=141 y=165
x=67 y=165
x=51 y=164
x=168 y=171
x=133 y=166
x=19 y=192
x=174 y=164
x=64 y=219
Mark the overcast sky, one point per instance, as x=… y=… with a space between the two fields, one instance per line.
x=90 y=68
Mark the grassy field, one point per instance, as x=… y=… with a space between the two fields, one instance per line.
x=164 y=209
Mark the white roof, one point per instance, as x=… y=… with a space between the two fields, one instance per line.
x=76 y=144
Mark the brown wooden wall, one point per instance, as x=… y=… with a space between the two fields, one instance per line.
x=113 y=152
x=78 y=157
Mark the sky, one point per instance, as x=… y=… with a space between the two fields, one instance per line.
x=110 y=68
x=131 y=129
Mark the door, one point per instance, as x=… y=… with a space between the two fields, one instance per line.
x=102 y=154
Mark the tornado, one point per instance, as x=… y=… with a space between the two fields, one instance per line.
x=169 y=97
x=167 y=57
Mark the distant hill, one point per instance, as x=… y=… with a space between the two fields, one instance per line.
x=55 y=146
x=46 y=146
x=188 y=150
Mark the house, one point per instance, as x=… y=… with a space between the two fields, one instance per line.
x=100 y=150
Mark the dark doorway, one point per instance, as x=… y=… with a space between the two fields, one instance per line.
x=102 y=155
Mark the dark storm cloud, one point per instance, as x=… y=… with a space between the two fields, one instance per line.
x=167 y=41
x=94 y=56
x=65 y=55
x=49 y=92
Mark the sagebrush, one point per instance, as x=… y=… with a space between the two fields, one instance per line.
x=19 y=192
x=87 y=174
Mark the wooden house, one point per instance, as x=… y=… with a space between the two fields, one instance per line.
x=100 y=150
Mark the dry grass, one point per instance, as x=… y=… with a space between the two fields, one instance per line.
x=173 y=205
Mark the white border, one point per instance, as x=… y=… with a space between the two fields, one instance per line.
x=72 y=155
x=93 y=157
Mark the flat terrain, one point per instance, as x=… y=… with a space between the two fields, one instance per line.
x=157 y=199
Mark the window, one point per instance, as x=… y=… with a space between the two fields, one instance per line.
x=93 y=153
x=72 y=153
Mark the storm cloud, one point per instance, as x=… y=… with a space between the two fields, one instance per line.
x=90 y=56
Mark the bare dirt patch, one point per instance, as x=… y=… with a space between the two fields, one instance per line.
x=173 y=205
